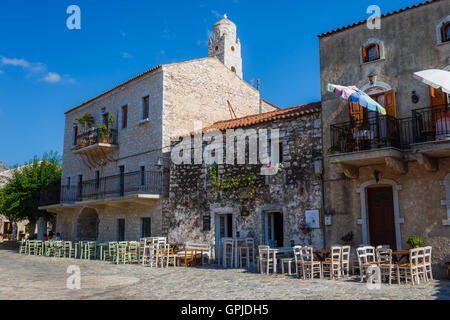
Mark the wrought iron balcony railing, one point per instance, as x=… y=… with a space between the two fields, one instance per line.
x=427 y=124
x=432 y=123
x=372 y=133
x=95 y=136
x=121 y=185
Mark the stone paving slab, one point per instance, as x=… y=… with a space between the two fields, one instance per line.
x=37 y=277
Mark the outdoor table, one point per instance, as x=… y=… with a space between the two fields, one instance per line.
x=283 y=251
x=322 y=254
x=397 y=256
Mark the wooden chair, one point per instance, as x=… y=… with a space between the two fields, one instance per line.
x=188 y=257
x=23 y=246
x=332 y=265
x=366 y=259
x=410 y=271
x=123 y=254
x=298 y=260
x=228 y=252
x=387 y=267
x=265 y=258
x=310 y=267
x=345 y=264
x=427 y=263
x=247 y=253
x=89 y=250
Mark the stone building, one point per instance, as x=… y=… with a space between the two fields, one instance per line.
x=114 y=173
x=388 y=177
x=211 y=200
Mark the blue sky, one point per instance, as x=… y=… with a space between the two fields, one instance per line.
x=45 y=69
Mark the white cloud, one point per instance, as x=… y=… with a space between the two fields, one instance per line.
x=52 y=77
x=35 y=69
x=126 y=55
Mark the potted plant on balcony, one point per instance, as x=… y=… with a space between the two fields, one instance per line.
x=414 y=241
x=334 y=149
x=85 y=122
x=103 y=134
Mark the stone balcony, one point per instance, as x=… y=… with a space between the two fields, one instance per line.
x=96 y=142
x=384 y=140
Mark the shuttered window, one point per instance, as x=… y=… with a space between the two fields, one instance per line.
x=438 y=100
x=371 y=52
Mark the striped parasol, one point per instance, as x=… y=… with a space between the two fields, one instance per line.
x=353 y=94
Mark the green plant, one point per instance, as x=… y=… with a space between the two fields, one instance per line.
x=229 y=184
x=110 y=120
x=85 y=122
x=333 y=149
x=103 y=132
x=415 y=241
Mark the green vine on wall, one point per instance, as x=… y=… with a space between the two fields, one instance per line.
x=229 y=184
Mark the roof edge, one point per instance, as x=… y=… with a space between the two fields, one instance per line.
x=356 y=24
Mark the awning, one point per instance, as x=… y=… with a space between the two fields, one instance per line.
x=438 y=79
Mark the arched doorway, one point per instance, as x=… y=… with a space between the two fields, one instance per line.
x=87 y=224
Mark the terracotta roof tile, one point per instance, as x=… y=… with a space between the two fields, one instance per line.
x=291 y=112
x=382 y=16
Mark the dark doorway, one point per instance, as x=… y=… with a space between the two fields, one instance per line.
x=274 y=229
x=122 y=181
x=381 y=217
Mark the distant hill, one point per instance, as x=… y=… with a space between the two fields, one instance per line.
x=3 y=166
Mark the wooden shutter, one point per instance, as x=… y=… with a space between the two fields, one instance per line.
x=389 y=101
x=438 y=97
x=364 y=53
x=356 y=112
x=377 y=48
x=438 y=102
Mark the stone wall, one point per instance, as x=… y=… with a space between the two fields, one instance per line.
x=200 y=90
x=290 y=192
x=410 y=45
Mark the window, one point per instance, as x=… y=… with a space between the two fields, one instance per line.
x=273 y=155
x=142 y=177
x=122 y=180
x=106 y=119
x=371 y=53
x=443 y=30
x=232 y=48
x=146 y=226
x=121 y=229
x=233 y=69
x=68 y=183
x=124 y=116
x=75 y=134
x=145 y=107
x=446 y=32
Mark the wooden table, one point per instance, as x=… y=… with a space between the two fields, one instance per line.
x=399 y=255
x=322 y=254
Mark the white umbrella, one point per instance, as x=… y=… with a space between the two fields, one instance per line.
x=435 y=78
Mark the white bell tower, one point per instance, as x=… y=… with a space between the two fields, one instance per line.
x=225 y=46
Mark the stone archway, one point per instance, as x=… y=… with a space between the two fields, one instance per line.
x=87 y=224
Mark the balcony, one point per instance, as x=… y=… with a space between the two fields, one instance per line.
x=96 y=141
x=386 y=140
x=120 y=189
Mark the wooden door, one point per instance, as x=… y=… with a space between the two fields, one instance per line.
x=381 y=217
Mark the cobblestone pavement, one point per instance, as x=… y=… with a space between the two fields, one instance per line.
x=37 y=277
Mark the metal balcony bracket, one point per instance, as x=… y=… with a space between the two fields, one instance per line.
x=429 y=163
x=397 y=165
x=350 y=172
